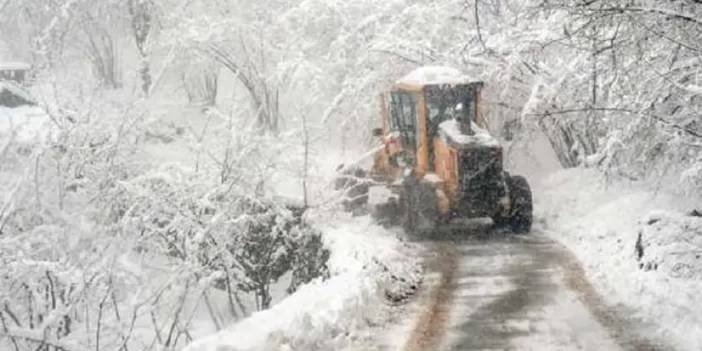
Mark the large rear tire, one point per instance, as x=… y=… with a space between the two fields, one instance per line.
x=521 y=215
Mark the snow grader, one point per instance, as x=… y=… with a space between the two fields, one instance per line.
x=439 y=159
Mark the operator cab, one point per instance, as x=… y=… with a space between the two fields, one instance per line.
x=448 y=93
x=427 y=103
x=440 y=159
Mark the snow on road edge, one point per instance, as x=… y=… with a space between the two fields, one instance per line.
x=601 y=224
x=367 y=262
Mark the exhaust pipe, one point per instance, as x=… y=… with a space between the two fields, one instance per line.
x=464 y=120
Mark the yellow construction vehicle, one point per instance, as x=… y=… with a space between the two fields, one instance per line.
x=440 y=158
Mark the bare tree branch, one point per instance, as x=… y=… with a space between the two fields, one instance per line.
x=476 y=14
x=623 y=110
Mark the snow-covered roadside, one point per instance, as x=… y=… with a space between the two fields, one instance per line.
x=640 y=249
x=369 y=265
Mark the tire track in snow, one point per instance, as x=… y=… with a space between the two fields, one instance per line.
x=432 y=323
x=538 y=296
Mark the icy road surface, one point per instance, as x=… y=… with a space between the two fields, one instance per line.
x=516 y=293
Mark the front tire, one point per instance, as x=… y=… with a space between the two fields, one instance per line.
x=521 y=215
x=420 y=211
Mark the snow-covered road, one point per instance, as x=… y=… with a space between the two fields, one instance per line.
x=516 y=293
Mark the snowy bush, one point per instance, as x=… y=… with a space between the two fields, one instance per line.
x=269 y=244
x=309 y=256
x=252 y=242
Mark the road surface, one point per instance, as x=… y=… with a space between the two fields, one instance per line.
x=510 y=292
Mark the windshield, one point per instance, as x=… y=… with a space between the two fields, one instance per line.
x=449 y=102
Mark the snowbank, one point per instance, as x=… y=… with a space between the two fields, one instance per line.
x=429 y=75
x=368 y=265
x=481 y=137
x=635 y=254
x=671 y=243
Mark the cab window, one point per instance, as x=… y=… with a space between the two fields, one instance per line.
x=449 y=102
x=403 y=117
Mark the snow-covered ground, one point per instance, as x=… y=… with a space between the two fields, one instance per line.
x=641 y=249
x=370 y=267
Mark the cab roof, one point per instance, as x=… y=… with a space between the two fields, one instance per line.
x=433 y=75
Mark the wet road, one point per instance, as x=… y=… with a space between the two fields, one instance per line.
x=516 y=293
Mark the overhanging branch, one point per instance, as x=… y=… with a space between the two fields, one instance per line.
x=659 y=119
